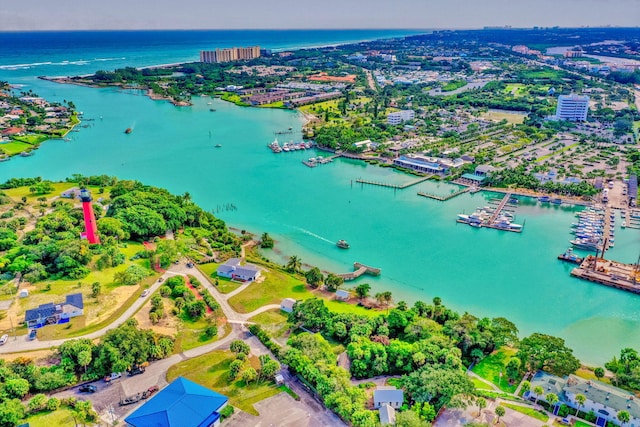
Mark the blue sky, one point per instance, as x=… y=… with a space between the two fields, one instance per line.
x=285 y=14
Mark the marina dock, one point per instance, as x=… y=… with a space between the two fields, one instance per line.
x=360 y=269
x=396 y=186
x=609 y=273
x=444 y=198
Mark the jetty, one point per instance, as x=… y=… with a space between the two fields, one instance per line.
x=610 y=273
x=360 y=269
x=444 y=198
x=499 y=208
x=396 y=186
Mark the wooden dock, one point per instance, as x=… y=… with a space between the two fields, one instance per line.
x=444 y=198
x=360 y=269
x=396 y=186
x=609 y=273
x=499 y=208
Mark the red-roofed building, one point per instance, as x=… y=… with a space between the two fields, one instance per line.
x=12 y=131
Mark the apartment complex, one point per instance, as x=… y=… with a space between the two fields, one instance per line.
x=572 y=107
x=398 y=117
x=230 y=54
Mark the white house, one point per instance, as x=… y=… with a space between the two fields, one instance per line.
x=234 y=271
x=387 y=415
x=387 y=396
x=398 y=117
x=287 y=305
x=603 y=399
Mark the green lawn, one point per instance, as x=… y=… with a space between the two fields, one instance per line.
x=14 y=147
x=191 y=334
x=276 y=287
x=211 y=370
x=60 y=418
x=588 y=374
x=453 y=85
x=490 y=367
x=33 y=139
x=531 y=412
x=273 y=321
x=480 y=385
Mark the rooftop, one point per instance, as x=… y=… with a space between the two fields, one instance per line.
x=181 y=403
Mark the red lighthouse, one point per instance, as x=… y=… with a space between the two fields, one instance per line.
x=90 y=226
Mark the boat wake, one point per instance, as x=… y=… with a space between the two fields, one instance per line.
x=313 y=235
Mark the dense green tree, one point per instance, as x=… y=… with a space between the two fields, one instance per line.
x=598 y=372
x=314 y=277
x=131 y=276
x=234 y=369
x=249 y=375
x=437 y=385
x=238 y=346
x=16 y=388
x=311 y=313
x=266 y=241
x=37 y=403
x=500 y=411
x=362 y=290
x=11 y=412
x=332 y=282
x=548 y=353
x=624 y=417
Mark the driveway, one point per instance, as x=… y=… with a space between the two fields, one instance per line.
x=459 y=418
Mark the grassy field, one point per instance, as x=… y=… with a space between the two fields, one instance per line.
x=17 y=193
x=14 y=147
x=588 y=374
x=512 y=118
x=568 y=147
x=276 y=287
x=491 y=366
x=453 y=85
x=480 y=385
x=33 y=139
x=531 y=412
x=211 y=370
x=60 y=418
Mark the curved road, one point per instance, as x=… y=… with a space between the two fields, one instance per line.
x=21 y=343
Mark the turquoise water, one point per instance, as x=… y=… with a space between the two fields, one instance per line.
x=422 y=251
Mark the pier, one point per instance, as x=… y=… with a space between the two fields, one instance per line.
x=609 y=273
x=444 y=198
x=360 y=269
x=501 y=206
x=396 y=186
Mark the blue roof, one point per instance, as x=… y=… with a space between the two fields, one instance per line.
x=75 y=300
x=40 y=313
x=473 y=177
x=182 y=403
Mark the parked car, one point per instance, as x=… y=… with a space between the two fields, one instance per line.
x=112 y=376
x=147 y=393
x=4 y=339
x=88 y=388
x=190 y=264
x=136 y=370
x=32 y=334
x=145 y=293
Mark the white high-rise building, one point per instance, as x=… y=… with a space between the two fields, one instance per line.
x=398 y=117
x=572 y=107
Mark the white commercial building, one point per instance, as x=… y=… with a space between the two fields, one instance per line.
x=398 y=117
x=572 y=107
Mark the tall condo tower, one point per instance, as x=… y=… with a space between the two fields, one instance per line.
x=90 y=226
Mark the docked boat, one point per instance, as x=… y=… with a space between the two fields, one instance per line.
x=128 y=131
x=342 y=244
x=569 y=256
x=556 y=201
x=544 y=199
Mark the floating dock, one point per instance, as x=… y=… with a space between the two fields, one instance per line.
x=609 y=273
x=396 y=186
x=360 y=269
x=444 y=198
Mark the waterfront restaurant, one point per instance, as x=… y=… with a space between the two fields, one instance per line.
x=421 y=164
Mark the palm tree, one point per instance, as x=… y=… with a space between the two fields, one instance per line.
x=500 y=411
x=294 y=264
x=538 y=391
x=552 y=399
x=481 y=405
x=580 y=399
x=624 y=417
x=525 y=387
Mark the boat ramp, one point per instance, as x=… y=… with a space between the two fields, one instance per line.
x=360 y=269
